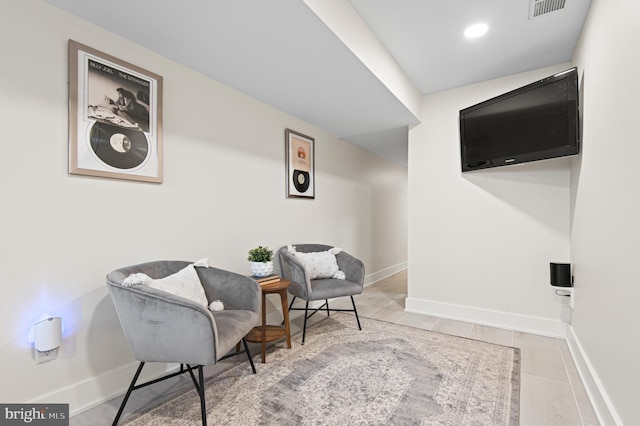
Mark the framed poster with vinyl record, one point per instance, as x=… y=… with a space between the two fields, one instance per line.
x=115 y=117
x=300 y=165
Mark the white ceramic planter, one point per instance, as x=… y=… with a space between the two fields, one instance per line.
x=261 y=269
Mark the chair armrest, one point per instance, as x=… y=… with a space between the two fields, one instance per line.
x=162 y=327
x=352 y=267
x=236 y=291
x=294 y=270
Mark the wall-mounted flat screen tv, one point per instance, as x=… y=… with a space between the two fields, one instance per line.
x=535 y=122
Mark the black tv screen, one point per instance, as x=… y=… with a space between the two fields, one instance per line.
x=535 y=122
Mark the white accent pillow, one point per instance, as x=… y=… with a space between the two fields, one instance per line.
x=184 y=283
x=321 y=264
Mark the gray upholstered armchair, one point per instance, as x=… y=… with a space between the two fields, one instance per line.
x=162 y=327
x=302 y=286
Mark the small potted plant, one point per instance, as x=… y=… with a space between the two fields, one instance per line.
x=261 y=259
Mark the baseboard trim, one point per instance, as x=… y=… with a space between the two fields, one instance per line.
x=384 y=273
x=602 y=405
x=507 y=320
x=99 y=389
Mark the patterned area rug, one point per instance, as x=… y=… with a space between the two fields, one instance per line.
x=386 y=374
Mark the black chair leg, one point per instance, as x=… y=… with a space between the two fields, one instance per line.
x=246 y=348
x=355 y=311
x=304 y=327
x=327 y=303
x=203 y=407
x=184 y=368
x=126 y=397
x=291 y=304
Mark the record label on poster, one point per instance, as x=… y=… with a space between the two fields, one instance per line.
x=301 y=180
x=121 y=148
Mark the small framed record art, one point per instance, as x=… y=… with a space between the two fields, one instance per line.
x=300 y=168
x=115 y=117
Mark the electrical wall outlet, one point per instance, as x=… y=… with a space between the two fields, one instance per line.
x=45 y=356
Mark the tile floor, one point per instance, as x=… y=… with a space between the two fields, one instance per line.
x=551 y=392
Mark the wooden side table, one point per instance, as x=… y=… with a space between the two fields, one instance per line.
x=268 y=333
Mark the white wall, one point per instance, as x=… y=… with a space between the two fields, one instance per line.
x=605 y=335
x=480 y=243
x=223 y=193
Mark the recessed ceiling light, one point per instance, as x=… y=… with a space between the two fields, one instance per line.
x=476 y=30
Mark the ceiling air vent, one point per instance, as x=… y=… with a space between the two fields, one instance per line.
x=541 y=7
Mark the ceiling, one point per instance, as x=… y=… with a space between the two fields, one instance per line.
x=355 y=68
